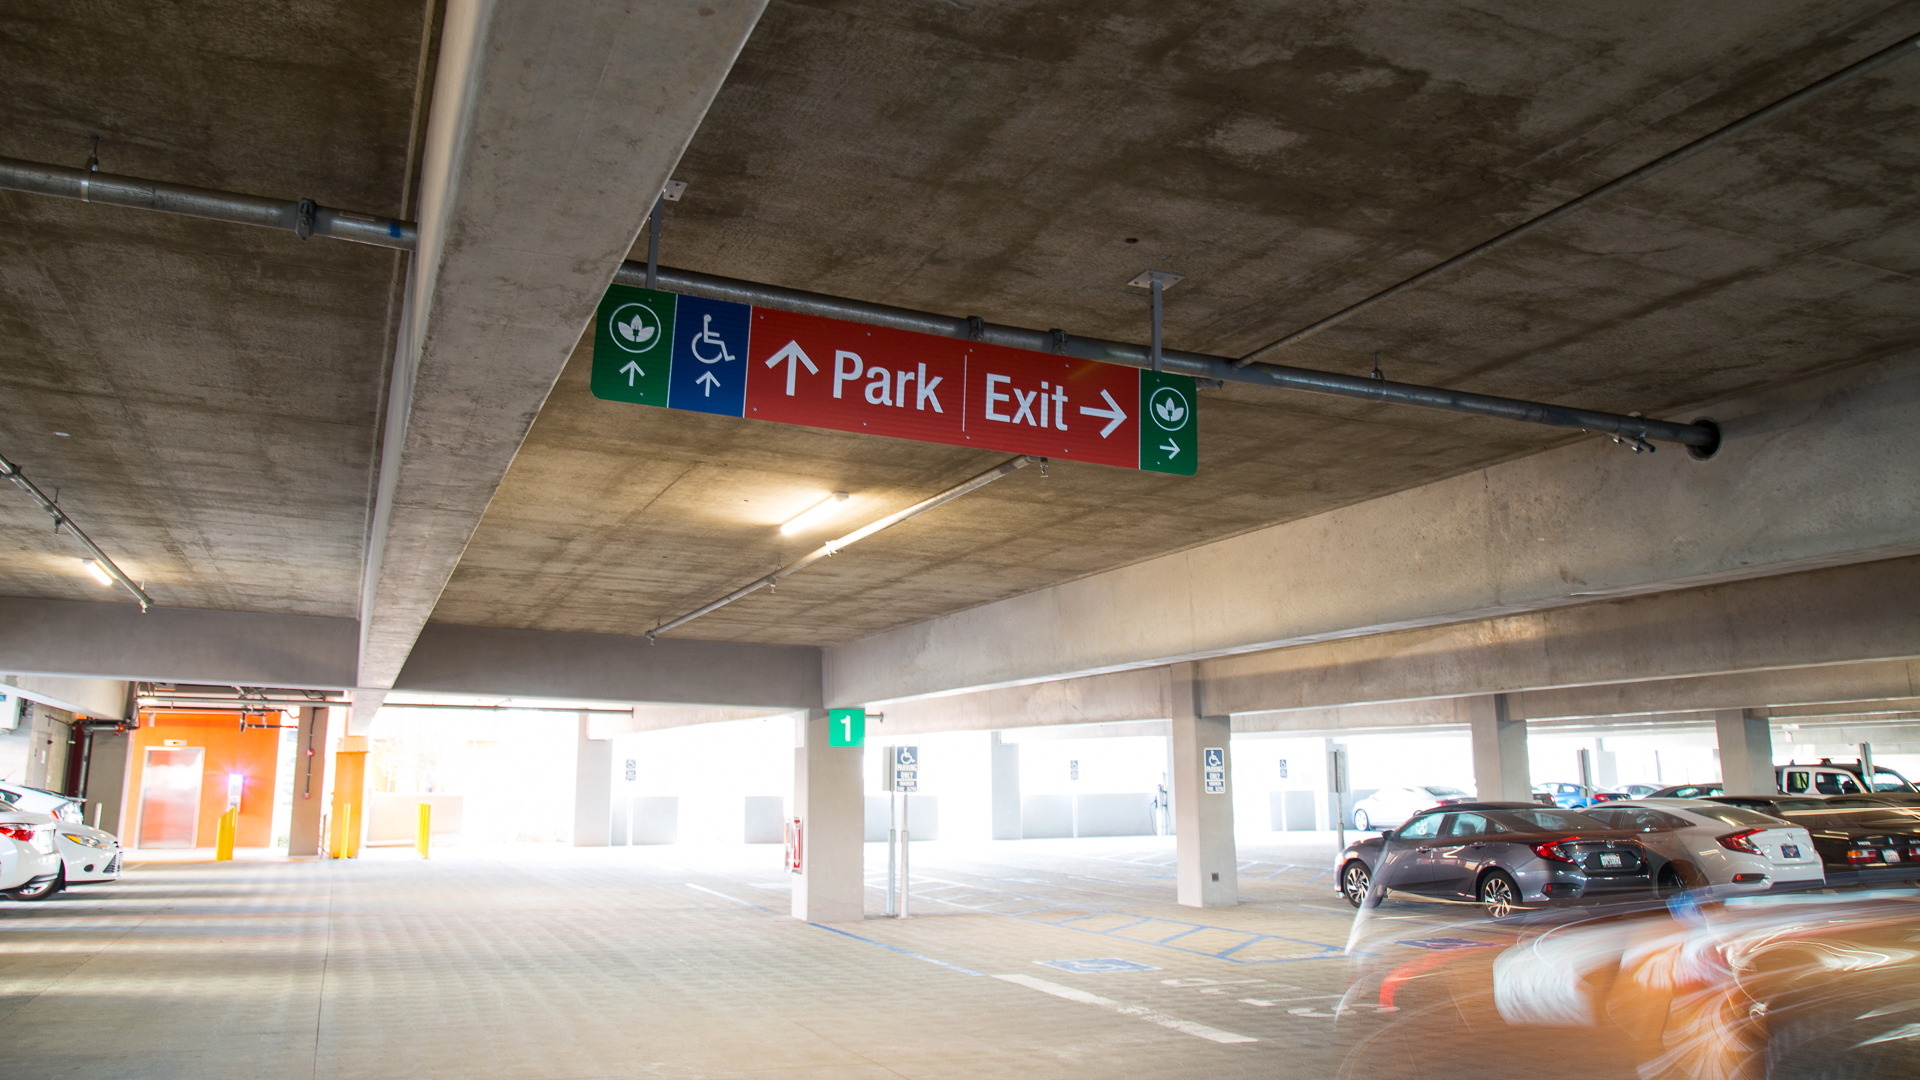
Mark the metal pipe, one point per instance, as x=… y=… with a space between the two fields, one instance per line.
x=190 y=704
x=653 y=240
x=245 y=209
x=1154 y=353
x=1201 y=365
x=1005 y=468
x=299 y=216
x=1611 y=187
x=13 y=473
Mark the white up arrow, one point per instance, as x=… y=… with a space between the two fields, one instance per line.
x=630 y=371
x=1114 y=414
x=794 y=356
x=712 y=383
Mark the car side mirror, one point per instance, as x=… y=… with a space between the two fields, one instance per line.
x=1386 y=834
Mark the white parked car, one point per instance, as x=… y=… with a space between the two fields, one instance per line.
x=29 y=862
x=1709 y=843
x=1389 y=808
x=87 y=854
x=42 y=801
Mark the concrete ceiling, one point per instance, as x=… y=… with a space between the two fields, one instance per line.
x=218 y=384
x=997 y=160
x=221 y=385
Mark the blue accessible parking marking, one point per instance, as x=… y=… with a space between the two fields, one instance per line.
x=1100 y=966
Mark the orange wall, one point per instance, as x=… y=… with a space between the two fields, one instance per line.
x=252 y=753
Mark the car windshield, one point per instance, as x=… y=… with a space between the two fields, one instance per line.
x=1545 y=819
x=1888 y=780
x=1442 y=792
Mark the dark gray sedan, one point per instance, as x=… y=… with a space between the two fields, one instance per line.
x=1502 y=854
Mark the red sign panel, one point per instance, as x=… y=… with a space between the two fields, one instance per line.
x=803 y=369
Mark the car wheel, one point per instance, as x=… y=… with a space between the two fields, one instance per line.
x=1668 y=883
x=1361 y=820
x=1355 y=880
x=1499 y=895
x=31 y=892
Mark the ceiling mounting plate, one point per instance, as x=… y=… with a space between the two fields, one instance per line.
x=1168 y=279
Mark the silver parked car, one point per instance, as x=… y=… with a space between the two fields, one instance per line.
x=1505 y=855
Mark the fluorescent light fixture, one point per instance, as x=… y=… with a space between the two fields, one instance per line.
x=99 y=574
x=815 y=514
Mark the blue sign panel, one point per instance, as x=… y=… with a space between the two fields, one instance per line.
x=709 y=357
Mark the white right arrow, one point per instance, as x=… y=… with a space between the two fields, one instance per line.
x=794 y=355
x=1172 y=448
x=1114 y=414
x=632 y=369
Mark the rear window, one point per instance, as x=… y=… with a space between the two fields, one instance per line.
x=1443 y=792
x=1734 y=815
x=1543 y=818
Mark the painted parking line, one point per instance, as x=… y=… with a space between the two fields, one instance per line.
x=1202 y=1031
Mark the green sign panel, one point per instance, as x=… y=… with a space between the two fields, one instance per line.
x=1169 y=424
x=633 y=346
x=846 y=727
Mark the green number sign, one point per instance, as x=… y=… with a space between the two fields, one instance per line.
x=846 y=727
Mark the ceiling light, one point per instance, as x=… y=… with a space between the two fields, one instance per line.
x=815 y=514
x=99 y=575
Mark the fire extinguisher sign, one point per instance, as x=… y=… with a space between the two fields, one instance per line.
x=793 y=845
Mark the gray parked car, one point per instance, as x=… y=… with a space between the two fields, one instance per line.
x=1502 y=854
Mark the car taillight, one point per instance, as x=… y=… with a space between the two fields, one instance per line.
x=1737 y=841
x=1551 y=850
x=1856 y=856
x=16 y=830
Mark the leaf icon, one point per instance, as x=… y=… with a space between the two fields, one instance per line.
x=1170 y=410
x=636 y=330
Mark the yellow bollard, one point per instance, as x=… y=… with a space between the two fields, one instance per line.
x=223 y=846
x=426 y=828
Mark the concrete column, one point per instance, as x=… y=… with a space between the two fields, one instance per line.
x=1500 y=769
x=309 y=782
x=1746 y=752
x=830 y=802
x=347 y=819
x=1207 y=863
x=592 y=790
x=1005 y=779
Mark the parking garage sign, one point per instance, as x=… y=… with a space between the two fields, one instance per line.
x=684 y=352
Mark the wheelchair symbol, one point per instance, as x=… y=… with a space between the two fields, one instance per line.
x=708 y=337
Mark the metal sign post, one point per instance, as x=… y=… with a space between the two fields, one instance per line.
x=903 y=778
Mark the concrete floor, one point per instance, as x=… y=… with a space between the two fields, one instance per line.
x=558 y=963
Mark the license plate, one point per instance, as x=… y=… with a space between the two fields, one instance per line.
x=1789 y=851
x=1609 y=859
x=1892 y=855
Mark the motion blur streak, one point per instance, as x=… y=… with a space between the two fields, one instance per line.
x=1786 y=986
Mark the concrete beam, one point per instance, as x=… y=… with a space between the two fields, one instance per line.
x=1813 y=475
x=1842 y=615
x=551 y=130
x=104 y=699
x=1140 y=694
x=599 y=667
x=1789 y=688
x=78 y=640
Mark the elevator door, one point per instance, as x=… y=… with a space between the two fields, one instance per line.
x=170 y=797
